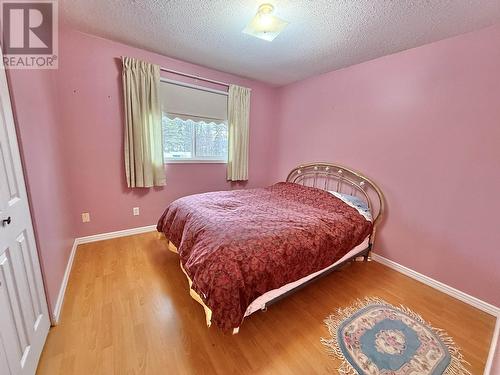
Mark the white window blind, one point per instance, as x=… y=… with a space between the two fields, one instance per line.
x=194 y=124
x=187 y=102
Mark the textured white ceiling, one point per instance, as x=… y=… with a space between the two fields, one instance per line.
x=322 y=35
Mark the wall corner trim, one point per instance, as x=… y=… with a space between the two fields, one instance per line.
x=87 y=239
x=464 y=297
x=495 y=341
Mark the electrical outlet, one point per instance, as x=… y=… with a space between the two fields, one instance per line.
x=85 y=217
x=136 y=211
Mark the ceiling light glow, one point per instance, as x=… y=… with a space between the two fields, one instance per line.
x=265 y=21
x=265 y=25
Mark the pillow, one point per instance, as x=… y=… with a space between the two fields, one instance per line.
x=356 y=202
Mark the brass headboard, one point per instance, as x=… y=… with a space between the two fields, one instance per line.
x=334 y=177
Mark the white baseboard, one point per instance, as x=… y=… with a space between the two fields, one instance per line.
x=464 y=297
x=494 y=343
x=62 y=291
x=87 y=239
x=118 y=233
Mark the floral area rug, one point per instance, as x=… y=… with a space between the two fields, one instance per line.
x=374 y=337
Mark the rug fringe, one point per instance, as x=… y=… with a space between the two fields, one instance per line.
x=333 y=322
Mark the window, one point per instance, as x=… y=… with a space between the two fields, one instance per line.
x=194 y=123
x=194 y=139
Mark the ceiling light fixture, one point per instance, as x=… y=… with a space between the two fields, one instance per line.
x=264 y=25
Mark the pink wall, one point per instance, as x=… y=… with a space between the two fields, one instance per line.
x=90 y=88
x=424 y=124
x=34 y=99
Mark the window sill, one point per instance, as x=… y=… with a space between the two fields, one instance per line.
x=195 y=161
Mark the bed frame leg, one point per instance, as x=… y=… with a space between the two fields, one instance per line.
x=366 y=256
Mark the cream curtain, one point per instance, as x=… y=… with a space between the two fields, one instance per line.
x=238 y=122
x=143 y=128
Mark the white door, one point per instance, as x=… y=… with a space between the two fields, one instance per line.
x=24 y=318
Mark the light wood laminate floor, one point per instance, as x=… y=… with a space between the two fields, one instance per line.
x=128 y=311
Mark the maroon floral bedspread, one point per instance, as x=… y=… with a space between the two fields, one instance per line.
x=237 y=245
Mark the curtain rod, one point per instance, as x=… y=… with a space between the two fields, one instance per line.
x=195 y=77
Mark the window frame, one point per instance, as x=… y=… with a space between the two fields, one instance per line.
x=196 y=159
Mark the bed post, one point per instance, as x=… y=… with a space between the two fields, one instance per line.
x=367 y=256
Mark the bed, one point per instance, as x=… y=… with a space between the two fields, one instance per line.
x=244 y=250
